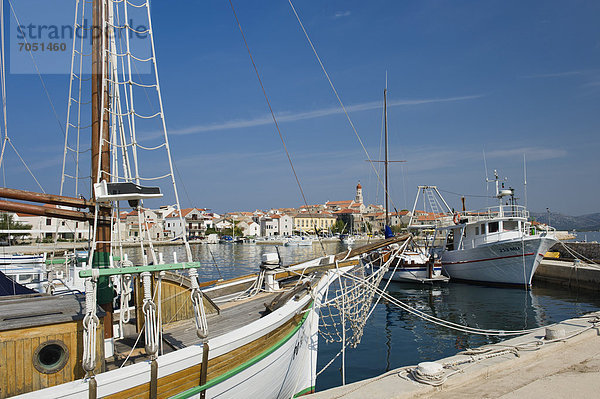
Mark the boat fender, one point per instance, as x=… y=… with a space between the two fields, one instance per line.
x=456 y=218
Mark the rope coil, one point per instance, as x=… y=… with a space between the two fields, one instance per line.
x=149 y=308
x=90 y=325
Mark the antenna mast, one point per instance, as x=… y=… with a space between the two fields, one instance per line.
x=525 y=178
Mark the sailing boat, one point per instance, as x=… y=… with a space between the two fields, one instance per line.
x=415 y=264
x=253 y=336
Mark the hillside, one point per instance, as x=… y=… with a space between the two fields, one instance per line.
x=559 y=221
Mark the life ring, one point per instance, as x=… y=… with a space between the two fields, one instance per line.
x=456 y=218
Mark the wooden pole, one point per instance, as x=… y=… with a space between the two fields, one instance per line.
x=101 y=152
x=204 y=368
x=40 y=210
x=32 y=196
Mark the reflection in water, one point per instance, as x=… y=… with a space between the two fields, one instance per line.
x=392 y=337
x=395 y=338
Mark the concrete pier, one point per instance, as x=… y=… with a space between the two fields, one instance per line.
x=529 y=366
x=569 y=273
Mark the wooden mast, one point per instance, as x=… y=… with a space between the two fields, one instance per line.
x=101 y=151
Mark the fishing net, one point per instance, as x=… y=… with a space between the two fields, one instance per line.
x=349 y=301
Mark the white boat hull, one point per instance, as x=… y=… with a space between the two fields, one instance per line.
x=22 y=259
x=286 y=369
x=502 y=262
x=412 y=274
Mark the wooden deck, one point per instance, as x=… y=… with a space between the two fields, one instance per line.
x=233 y=315
x=178 y=335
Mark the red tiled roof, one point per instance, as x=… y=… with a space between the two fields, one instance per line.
x=186 y=211
x=338 y=202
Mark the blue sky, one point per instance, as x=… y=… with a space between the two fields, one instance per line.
x=505 y=77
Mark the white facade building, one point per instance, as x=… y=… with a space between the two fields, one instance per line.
x=268 y=226
x=285 y=225
x=249 y=228
x=43 y=227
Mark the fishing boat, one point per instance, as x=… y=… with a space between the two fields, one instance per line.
x=497 y=245
x=415 y=264
x=252 y=336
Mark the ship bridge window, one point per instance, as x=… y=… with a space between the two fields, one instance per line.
x=493 y=227
x=509 y=225
x=477 y=230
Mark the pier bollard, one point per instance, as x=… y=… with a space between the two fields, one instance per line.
x=554 y=332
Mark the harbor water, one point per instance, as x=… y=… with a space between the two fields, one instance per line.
x=393 y=337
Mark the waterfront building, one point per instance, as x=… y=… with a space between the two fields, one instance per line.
x=222 y=223
x=45 y=228
x=310 y=222
x=269 y=226
x=173 y=225
x=285 y=224
x=352 y=219
x=249 y=228
x=355 y=204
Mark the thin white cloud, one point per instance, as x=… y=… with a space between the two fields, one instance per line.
x=341 y=14
x=532 y=153
x=292 y=117
x=595 y=83
x=440 y=158
x=554 y=74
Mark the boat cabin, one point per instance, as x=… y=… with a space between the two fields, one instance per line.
x=41 y=341
x=496 y=224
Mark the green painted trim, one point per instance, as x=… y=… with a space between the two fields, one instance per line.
x=305 y=392
x=196 y=390
x=139 y=269
x=59 y=261
x=105 y=293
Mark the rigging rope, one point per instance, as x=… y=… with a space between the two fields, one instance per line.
x=39 y=74
x=274 y=119
x=340 y=101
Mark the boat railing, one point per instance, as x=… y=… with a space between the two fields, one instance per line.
x=494 y=212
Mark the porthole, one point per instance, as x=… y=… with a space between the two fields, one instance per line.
x=50 y=357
